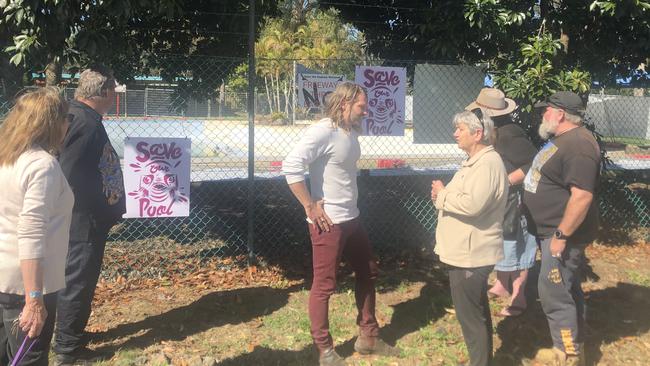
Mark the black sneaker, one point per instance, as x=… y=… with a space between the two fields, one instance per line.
x=80 y=357
x=331 y=358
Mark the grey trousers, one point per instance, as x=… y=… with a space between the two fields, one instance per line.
x=469 y=293
x=561 y=295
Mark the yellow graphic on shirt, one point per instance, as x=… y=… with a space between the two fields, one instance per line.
x=535 y=172
x=554 y=276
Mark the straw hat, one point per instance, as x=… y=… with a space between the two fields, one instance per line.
x=493 y=103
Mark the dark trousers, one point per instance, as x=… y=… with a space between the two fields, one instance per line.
x=349 y=239
x=469 y=293
x=82 y=271
x=10 y=308
x=561 y=295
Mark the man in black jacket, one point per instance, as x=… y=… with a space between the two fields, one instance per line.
x=93 y=170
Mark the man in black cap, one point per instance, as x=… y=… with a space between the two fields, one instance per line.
x=560 y=192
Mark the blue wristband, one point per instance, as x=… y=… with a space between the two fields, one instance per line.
x=35 y=294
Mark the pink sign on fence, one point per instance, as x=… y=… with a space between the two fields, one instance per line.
x=157 y=177
x=386 y=90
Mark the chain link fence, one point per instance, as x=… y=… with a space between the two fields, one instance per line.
x=208 y=104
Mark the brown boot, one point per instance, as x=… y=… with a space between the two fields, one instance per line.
x=331 y=358
x=375 y=346
x=579 y=359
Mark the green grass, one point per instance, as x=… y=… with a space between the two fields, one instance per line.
x=638 y=278
x=441 y=343
x=289 y=326
x=628 y=140
x=128 y=358
x=341 y=325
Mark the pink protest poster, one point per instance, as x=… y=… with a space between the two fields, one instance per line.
x=386 y=91
x=157 y=177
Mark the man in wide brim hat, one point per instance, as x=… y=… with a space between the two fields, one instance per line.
x=493 y=103
x=517 y=153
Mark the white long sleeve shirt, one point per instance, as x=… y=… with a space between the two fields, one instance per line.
x=330 y=155
x=35 y=211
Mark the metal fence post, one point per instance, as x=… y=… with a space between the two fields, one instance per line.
x=251 y=129
x=293 y=94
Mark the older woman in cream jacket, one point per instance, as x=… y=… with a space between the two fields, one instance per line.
x=469 y=232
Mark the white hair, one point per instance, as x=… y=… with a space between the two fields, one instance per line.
x=573 y=118
x=93 y=82
x=473 y=123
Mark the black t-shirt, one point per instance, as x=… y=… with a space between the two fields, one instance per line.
x=517 y=152
x=93 y=171
x=514 y=147
x=571 y=159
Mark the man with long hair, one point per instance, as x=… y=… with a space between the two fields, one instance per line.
x=92 y=168
x=330 y=150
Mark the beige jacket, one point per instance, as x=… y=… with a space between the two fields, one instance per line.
x=470 y=212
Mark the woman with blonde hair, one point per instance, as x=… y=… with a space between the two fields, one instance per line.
x=35 y=211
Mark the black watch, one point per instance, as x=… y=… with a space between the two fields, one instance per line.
x=558 y=234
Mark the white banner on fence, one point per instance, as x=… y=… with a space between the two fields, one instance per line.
x=313 y=88
x=386 y=90
x=157 y=176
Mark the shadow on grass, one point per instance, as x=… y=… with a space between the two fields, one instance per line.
x=274 y=357
x=613 y=313
x=411 y=315
x=408 y=317
x=212 y=310
x=403 y=269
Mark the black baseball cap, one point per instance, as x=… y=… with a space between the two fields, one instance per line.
x=566 y=100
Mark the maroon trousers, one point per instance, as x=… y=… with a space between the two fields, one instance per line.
x=349 y=239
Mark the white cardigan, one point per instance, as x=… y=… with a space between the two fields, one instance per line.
x=35 y=211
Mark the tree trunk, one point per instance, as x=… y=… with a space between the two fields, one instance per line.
x=277 y=91
x=273 y=93
x=564 y=39
x=53 y=70
x=268 y=93
x=222 y=97
x=286 y=97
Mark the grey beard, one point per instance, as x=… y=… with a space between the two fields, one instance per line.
x=545 y=131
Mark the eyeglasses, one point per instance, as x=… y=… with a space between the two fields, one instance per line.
x=479 y=114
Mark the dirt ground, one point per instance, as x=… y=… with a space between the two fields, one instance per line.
x=258 y=316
